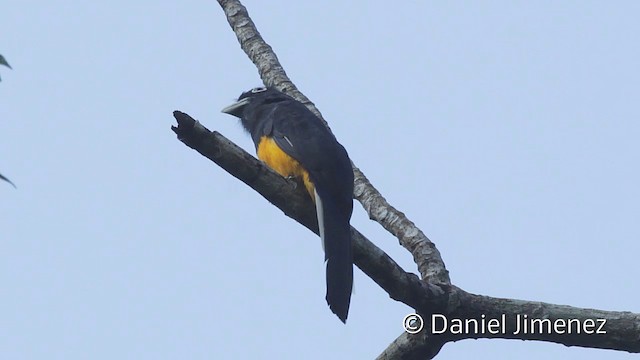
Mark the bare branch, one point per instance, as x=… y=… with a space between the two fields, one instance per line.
x=412 y=347
x=622 y=328
x=425 y=254
x=521 y=320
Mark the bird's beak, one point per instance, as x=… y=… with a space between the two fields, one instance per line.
x=236 y=108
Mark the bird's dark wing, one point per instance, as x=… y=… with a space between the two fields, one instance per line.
x=300 y=134
x=303 y=136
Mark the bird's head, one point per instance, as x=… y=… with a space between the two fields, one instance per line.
x=254 y=97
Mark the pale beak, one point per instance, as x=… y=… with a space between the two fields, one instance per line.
x=236 y=108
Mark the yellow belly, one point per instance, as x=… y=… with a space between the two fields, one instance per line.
x=269 y=152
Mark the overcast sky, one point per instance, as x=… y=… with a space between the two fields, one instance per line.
x=507 y=131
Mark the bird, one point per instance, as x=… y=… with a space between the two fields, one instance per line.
x=294 y=142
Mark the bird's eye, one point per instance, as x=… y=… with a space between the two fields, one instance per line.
x=258 y=90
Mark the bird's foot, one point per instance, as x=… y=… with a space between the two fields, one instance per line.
x=293 y=180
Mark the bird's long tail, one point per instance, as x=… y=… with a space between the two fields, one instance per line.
x=335 y=233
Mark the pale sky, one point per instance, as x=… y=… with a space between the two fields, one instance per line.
x=507 y=131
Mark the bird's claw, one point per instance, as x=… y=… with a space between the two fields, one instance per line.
x=293 y=180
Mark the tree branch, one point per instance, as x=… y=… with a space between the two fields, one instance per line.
x=407 y=346
x=622 y=328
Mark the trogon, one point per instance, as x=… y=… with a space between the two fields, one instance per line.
x=294 y=142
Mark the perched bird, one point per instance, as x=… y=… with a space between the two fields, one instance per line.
x=290 y=139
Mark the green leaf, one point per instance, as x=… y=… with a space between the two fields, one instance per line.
x=4 y=62
x=7 y=180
